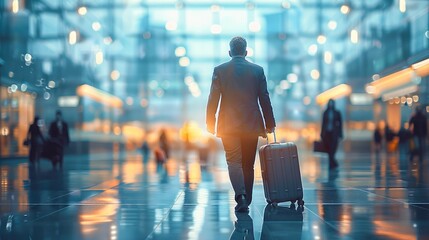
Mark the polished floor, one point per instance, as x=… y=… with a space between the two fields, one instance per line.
x=126 y=196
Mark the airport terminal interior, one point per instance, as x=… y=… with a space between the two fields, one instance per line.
x=131 y=78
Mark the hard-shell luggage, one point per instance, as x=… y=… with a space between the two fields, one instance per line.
x=280 y=173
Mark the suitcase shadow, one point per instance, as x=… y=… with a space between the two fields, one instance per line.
x=282 y=222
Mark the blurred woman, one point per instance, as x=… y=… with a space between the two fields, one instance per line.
x=163 y=143
x=36 y=141
x=332 y=132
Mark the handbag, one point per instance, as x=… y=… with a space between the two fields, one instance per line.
x=319 y=146
x=26 y=142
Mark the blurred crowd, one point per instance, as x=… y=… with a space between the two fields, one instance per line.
x=410 y=139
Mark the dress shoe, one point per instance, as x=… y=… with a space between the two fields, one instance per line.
x=242 y=205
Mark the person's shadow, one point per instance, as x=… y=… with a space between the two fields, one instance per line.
x=243 y=227
x=282 y=222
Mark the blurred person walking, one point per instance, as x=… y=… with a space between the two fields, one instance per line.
x=145 y=148
x=332 y=131
x=389 y=136
x=163 y=143
x=59 y=133
x=241 y=85
x=404 y=136
x=378 y=138
x=418 y=126
x=36 y=140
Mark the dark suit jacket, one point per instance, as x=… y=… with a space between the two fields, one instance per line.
x=338 y=124
x=239 y=84
x=54 y=132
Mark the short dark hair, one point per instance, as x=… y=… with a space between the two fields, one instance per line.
x=58 y=112
x=237 y=46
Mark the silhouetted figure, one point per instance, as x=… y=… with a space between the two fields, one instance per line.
x=203 y=154
x=389 y=135
x=36 y=141
x=378 y=138
x=241 y=85
x=404 y=136
x=145 y=147
x=418 y=126
x=332 y=131
x=163 y=143
x=145 y=151
x=59 y=133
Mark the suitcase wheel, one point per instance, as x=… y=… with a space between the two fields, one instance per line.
x=300 y=202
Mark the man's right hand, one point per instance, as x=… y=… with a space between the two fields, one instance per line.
x=270 y=130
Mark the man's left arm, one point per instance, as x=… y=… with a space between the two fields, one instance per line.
x=265 y=102
x=213 y=103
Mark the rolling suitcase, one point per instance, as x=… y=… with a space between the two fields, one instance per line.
x=280 y=173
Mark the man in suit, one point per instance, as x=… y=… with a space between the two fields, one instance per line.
x=59 y=132
x=240 y=85
x=332 y=131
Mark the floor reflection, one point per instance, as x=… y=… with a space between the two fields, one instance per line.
x=282 y=223
x=243 y=227
x=131 y=196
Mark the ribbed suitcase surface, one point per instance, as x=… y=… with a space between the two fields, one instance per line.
x=280 y=173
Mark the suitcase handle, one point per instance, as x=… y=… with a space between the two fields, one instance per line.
x=275 y=138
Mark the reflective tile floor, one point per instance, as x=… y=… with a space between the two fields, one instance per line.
x=126 y=196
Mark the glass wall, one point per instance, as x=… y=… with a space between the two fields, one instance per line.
x=157 y=57
x=17 y=112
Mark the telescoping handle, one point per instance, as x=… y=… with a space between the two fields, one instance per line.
x=275 y=138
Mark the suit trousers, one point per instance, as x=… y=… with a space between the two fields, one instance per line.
x=240 y=152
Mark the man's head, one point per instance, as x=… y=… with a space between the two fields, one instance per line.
x=331 y=104
x=58 y=115
x=237 y=47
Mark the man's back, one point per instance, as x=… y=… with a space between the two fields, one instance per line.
x=241 y=84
